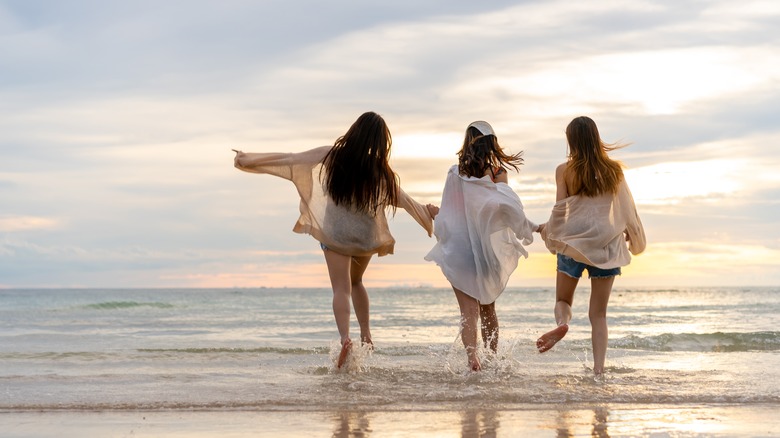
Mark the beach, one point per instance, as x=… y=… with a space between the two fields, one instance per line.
x=260 y=362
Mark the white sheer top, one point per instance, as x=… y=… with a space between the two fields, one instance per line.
x=340 y=228
x=591 y=229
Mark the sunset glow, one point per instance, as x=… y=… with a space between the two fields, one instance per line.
x=118 y=127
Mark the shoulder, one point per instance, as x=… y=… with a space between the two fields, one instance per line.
x=561 y=170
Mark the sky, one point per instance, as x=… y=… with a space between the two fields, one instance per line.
x=117 y=121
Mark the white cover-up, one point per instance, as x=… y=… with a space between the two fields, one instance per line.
x=479 y=230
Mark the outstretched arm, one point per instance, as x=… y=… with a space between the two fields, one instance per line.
x=277 y=163
x=419 y=212
x=273 y=163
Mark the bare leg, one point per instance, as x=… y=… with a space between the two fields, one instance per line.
x=469 y=313
x=601 y=288
x=489 y=320
x=360 y=297
x=338 y=270
x=564 y=296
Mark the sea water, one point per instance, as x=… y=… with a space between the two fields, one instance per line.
x=274 y=349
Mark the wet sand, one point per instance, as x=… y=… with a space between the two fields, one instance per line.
x=542 y=421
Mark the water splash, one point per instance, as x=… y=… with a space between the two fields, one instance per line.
x=357 y=360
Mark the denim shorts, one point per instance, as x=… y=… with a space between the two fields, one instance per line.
x=574 y=269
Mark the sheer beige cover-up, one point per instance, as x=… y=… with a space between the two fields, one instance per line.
x=590 y=229
x=478 y=230
x=339 y=228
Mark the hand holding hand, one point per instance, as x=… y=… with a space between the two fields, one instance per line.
x=432 y=210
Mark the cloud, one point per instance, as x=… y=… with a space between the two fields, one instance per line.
x=118 y=120
x=18 y=223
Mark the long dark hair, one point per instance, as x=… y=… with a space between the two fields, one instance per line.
x=356 y=171
x=590 y=170
x=481 y=153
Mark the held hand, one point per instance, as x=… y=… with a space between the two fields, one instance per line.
x=540 y=228
x=432 y=210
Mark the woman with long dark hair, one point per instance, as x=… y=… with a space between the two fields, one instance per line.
x=345 y=190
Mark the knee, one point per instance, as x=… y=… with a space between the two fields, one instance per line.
x=597 y=315
x=487 y=309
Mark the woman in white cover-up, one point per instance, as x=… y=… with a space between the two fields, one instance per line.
x=593 y=217
x=345 y=190
x=480 y=230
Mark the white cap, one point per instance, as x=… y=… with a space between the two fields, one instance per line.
x=483 y=127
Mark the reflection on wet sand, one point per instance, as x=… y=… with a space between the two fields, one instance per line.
x=473 y=423
x=600 y=417
x=570 y=421
x=476 y=423
x=351 y=424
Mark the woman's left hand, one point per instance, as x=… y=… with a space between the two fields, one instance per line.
x=432 y=210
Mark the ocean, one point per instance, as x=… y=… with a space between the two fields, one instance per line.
x=681 y=362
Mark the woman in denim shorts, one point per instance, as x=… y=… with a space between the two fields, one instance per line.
x=593 y=218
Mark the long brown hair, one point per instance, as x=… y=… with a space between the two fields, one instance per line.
x=481 y=153
x=590 y=171
x=357 y=172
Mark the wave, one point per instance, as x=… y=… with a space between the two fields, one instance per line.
x=702 y=342
x=108 y=305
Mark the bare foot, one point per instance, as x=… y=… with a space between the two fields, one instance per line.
x=367 y=341
x=474 y=364
x=549 y=339
x=346 y=346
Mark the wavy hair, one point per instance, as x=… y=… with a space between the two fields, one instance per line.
x=482 y=153
x=356 y=171
x=590 y=170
